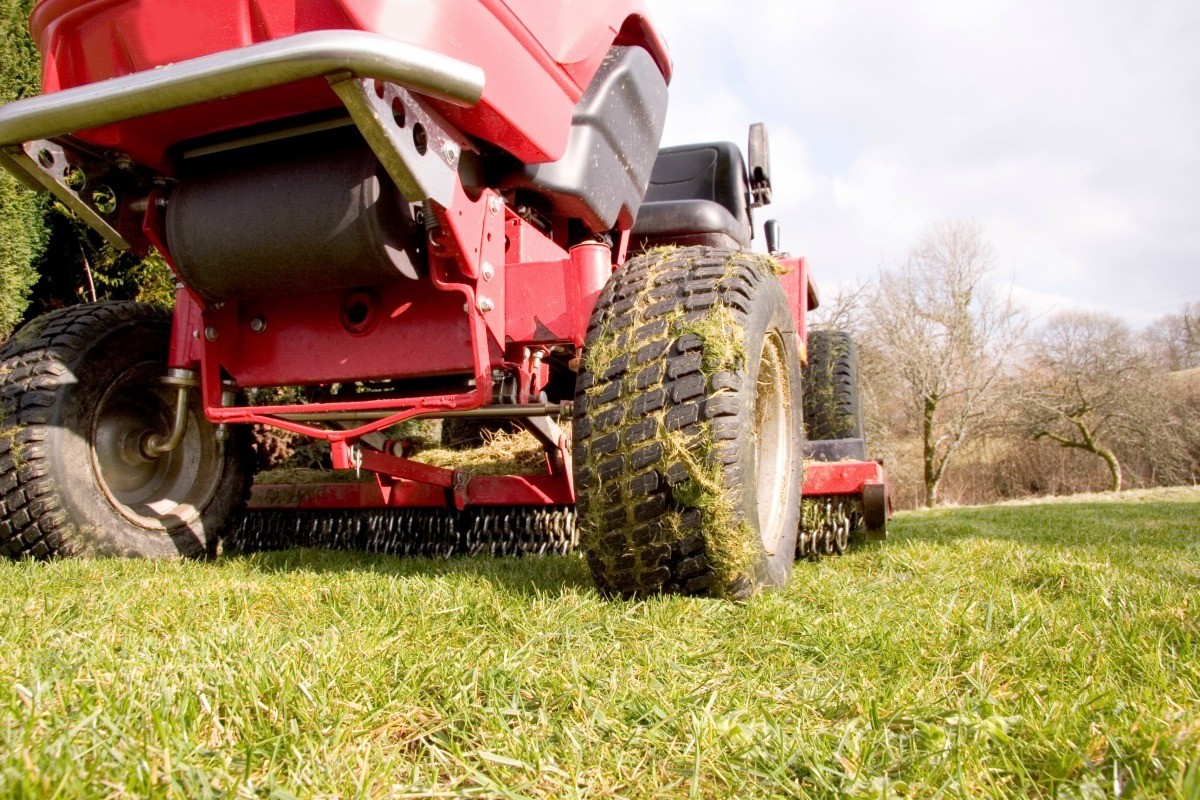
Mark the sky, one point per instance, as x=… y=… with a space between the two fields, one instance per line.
x=1070 y=129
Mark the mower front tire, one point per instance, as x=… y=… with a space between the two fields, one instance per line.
x=688 y=427
x=80 y=388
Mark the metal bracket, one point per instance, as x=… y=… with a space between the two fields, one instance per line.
x=419 y=151
x=46 y=162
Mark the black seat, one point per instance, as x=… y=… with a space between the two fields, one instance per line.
x=698 y=195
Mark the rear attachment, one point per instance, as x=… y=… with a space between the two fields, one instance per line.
x=827 y=525
x=417 y=532
x=846 y=498
x=845 y=501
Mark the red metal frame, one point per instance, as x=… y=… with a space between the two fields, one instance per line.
x=540 y=297
x=427 y=328
x=483 y=490
x=537 y=296
x=831 y=478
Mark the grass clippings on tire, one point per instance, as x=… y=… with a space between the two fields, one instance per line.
x=655 y=412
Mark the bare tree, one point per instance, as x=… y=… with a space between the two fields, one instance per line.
x=1086 y=386
x=1174 y=339
x=946 y=335
x=841 y=310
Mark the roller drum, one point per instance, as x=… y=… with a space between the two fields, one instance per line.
x=290 y=220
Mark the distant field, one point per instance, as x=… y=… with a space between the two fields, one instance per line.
x=1032 y=651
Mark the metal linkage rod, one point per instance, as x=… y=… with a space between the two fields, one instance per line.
x=498 y=411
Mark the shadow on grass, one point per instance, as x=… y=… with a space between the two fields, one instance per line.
x=552 y=576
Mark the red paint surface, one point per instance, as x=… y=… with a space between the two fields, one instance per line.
x=840 y=477
x=538 y=57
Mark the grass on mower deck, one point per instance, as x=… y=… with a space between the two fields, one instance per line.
x=502 y=453
x=1040 y=651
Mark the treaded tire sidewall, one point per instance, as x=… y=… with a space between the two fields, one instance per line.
x=832 y=402
x=772 y=314
x=640 y=532
x=69 y=513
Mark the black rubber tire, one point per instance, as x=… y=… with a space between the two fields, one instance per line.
x=89 y=374
x=832 y=406
x=666 y=456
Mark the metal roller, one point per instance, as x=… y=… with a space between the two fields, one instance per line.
x=426 y=532
x=828 y=525
x=306 y=214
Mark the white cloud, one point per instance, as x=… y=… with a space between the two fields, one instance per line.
x=1069 y=128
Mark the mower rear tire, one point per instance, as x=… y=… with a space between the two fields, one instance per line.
x=832 y=405
x=688 y=431
x=80 y=388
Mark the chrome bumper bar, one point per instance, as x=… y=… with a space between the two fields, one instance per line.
x=421 y=157
x=233 y=72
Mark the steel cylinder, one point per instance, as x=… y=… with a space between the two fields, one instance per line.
x=305 y=216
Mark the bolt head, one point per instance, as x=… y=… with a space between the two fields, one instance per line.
x=210 y=333
x=486 y=304
x=488 y=271
x=450 y=152
x=258 y=324
x=495 y=203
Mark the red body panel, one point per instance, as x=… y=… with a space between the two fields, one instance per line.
x=421 y=332
x=538 y=56
x=795 y=278
x=840 y=477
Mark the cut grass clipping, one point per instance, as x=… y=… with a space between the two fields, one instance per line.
x=1048 y=651
x=502 y=453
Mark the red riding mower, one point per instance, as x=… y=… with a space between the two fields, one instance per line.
x=404 y=209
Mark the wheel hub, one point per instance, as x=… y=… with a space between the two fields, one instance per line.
x=157 y=493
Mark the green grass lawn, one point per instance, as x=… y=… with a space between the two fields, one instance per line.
x=1031 y=651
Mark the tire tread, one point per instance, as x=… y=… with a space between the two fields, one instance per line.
x=639 y=539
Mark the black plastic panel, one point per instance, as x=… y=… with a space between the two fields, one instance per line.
x=614 y=140
x=688 y=222
x=696 y=192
